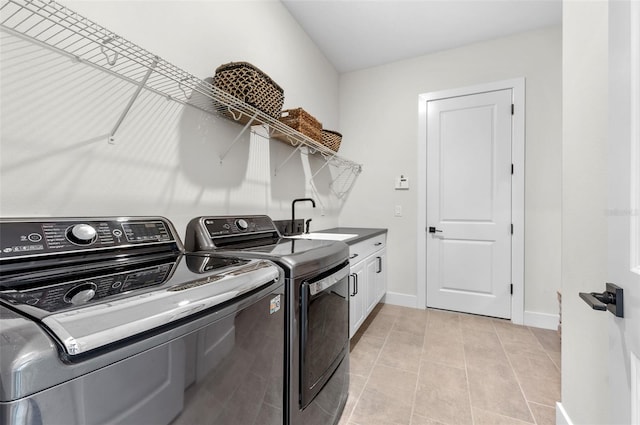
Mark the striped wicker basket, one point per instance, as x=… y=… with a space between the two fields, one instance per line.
x=303 y=122
x=246 y=82
x=331 y=139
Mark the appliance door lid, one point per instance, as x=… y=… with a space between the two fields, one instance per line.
x=86 y=329
x=325 y=330
x=317 y=286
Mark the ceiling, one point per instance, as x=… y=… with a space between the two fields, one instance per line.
x=357 y=34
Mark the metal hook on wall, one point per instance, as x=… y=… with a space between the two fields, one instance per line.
x=104 y=52
x=183 y=89
x=236 y=118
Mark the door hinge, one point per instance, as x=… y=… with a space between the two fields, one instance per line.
x=512 y=228
x=513 y=108
x=511 y=169
x=511 y=288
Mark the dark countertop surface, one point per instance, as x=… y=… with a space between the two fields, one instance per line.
x=362 y=232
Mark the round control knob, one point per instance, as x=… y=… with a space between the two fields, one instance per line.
x=81 y=234
x=242 y=224
x=81 y=294
x=35 y=237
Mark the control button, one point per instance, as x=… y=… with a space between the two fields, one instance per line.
x=81 y=294
x=35 y=237
x=242 y=224
x=32 y=301
x=117 y=233
x=116 y=284
x=81 y=234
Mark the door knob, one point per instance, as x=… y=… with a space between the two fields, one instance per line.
x=611 y=299
x=434 y=230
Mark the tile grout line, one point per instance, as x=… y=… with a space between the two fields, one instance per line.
x=545 y=350
x=466 y=373
x=524 y=396
x=415 y=390
x=375 y=362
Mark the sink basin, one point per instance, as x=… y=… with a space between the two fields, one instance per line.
x=325 y=236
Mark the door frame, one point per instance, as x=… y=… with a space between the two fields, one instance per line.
x=517 y=86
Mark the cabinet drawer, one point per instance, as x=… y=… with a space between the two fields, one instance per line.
x=363 y=249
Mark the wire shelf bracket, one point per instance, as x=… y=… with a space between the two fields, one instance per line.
x=282 y=164
x=246 y=126
x=135 y=95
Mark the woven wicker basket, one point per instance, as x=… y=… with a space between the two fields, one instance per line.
x=246 y=82
x=303 y=122
x=331 y=139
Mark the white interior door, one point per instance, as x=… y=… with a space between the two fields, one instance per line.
x=469 y=203
x=624 y=209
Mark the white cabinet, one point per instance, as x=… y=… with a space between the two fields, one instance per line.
x=368 y=280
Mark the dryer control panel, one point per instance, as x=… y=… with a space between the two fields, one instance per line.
x=211 y=232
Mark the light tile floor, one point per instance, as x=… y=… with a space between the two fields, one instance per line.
x=433 y=367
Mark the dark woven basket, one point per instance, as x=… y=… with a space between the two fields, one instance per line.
x=331 y=139
x=246 y=82
x=303 y=122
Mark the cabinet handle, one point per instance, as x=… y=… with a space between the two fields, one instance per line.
x=357 y=289
x=353 y=256
x=379 y=264
x=353 y=275
x=377 y=244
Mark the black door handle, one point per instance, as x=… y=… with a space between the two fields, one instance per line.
x=611 y=299
x=594 y=303
x=434 y=230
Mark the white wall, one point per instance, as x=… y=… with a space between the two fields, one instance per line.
x=57 y=112
x=585 y=388
x=379 y=119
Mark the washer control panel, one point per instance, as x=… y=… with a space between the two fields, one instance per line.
x=25 y=238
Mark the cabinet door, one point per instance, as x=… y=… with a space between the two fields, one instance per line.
x=376 y=268
x=372 y=266
x=357 y=297
x=380 y=276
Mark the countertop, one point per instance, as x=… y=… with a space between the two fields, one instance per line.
x=362 y=232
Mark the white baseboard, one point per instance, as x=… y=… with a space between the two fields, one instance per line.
x=562 y=418
x=541 y=320
x=403 y=300
x=531 y=318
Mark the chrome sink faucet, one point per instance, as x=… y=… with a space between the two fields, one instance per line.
x=293 y=210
